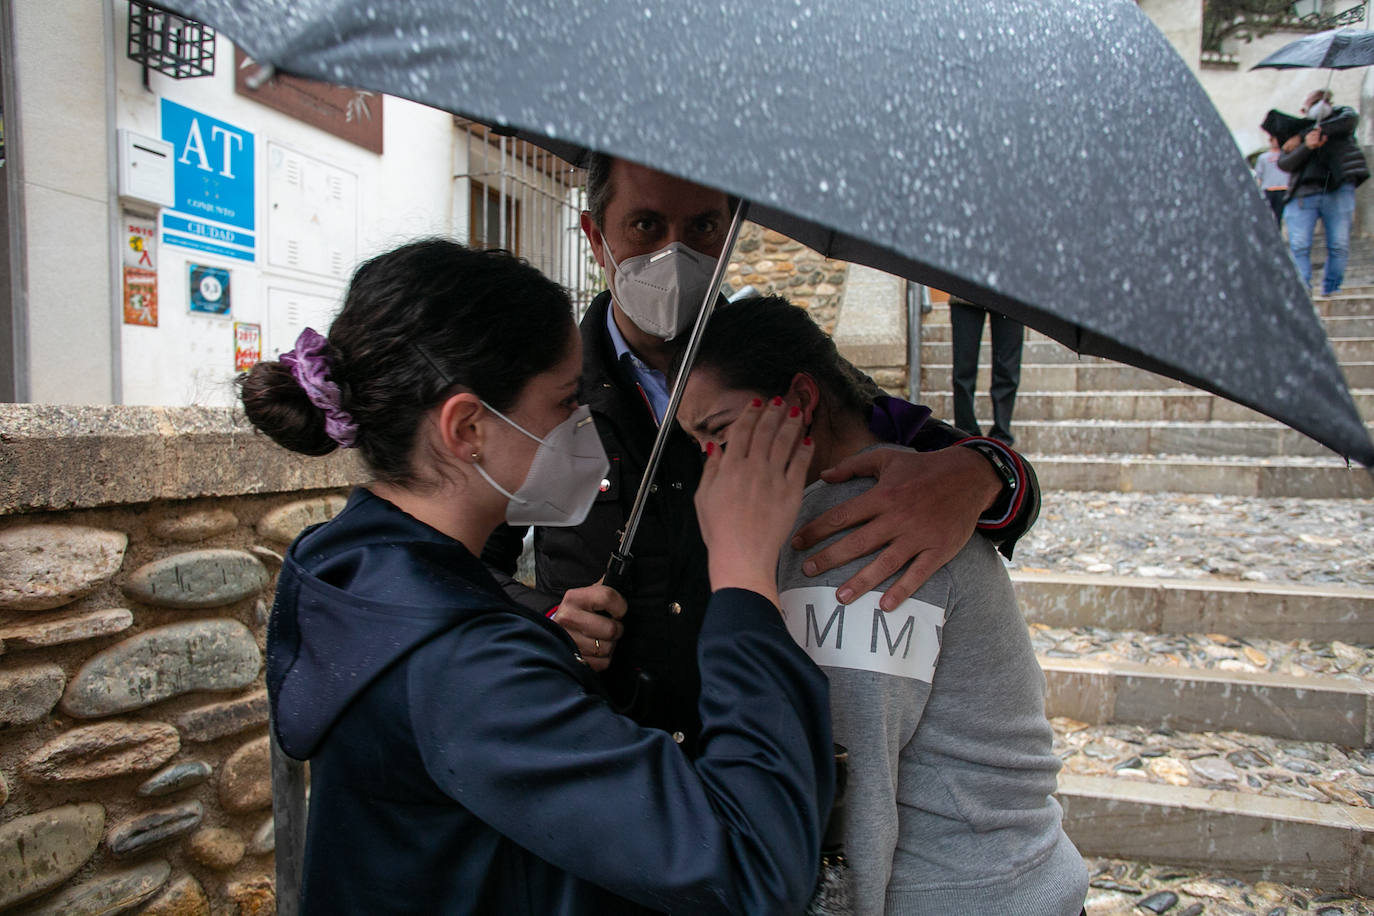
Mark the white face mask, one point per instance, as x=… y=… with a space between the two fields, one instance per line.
x=662 y=292
x=564 y=476
x=1319 y=111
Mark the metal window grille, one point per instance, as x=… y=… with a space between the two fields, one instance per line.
x=511 y=194
x=168 y=43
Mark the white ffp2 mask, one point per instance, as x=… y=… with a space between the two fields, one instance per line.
x=564 y=476
x=662 y=292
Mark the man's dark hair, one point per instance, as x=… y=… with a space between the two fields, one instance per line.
x=599 y=186
x=600 y=189
x=793 y=342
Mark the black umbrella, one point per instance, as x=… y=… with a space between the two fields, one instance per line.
x=1053 y=160
x=1337 y=49
x=1280 y=125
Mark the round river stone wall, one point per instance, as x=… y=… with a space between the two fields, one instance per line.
x=134 y=771
x=774 y=264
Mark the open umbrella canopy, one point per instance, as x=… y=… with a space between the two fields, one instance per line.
x=1054 y=160
x=1337 y=49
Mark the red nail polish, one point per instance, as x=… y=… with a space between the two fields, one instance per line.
x=710 y=449
x=806 y=441
x=757 y=402
x=794 y=412
x=777 y=401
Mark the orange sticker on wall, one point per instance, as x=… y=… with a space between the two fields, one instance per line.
x=140 y=296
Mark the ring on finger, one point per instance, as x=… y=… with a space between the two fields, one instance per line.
x=597 y=644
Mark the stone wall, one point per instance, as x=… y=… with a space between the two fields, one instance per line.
x=774 y=264
x=138 y=551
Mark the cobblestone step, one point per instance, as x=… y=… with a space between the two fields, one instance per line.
x=1096 y=376
x=1351 y=302
x=1335 y=710
x=1269 y=839
x=935 y=329
x=1038 y=351
x=1314 y=771
x=1145 y=437
x=1262 y=610
x=1176 y=404
x=1310 y=478
x=1121 y=887
x=1057 y=377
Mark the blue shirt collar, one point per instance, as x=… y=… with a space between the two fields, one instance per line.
x=651 y=382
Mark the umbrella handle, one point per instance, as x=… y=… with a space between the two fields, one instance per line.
x=618 y=571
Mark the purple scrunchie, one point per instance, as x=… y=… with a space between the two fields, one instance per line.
x=310 y=367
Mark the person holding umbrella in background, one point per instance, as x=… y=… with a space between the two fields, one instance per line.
x=1326 y=165
x=658 y=238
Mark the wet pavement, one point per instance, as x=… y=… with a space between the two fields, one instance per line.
x=1121 y=888
x=1182 y=535
x=1312 y=771
x=1229 y=539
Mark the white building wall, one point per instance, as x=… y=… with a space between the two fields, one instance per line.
x=79 y=351
x=188 y=358
x=64 y=193
x=1243 y=96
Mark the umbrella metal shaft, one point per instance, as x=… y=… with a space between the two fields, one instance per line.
x=619 y=566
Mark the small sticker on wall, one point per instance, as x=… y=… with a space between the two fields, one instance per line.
x=209 y=290
x=140 y=297
x=247 y=345
x=140 y=271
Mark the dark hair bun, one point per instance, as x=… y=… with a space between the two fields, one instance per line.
x=278 y=406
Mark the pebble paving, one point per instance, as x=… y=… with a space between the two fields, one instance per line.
x=1253 y=655
x=1183 y=535
x=1231 y=539
x=1136 y=889
x=1232 y=761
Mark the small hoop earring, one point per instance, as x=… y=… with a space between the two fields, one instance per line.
x=475 y=457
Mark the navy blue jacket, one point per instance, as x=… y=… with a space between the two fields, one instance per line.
x=463 y=761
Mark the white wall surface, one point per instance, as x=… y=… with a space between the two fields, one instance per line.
x=60 y=82
x=404 y=193
x=1242 y=95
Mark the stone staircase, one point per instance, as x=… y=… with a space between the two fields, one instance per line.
x=1211 y=722
x=1091 y=424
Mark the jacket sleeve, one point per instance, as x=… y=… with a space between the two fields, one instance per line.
x=501 y=554
x=1017 y=507
x=505 y=729
x=1341 y=123
x=1293 y=160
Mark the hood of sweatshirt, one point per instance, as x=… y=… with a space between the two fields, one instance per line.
x=354 y=596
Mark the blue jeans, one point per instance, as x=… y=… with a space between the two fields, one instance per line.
x=1336 y=209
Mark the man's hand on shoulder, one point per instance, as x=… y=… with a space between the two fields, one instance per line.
x=923 y=509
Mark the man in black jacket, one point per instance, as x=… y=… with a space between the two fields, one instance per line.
x=1326 y=165
x=922 y=511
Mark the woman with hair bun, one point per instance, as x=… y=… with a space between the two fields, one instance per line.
x=462 y=757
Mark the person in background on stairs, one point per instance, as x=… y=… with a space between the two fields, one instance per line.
x=1327 y=166
x=966 y=331
x=1273 y=181
x=948 y=808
